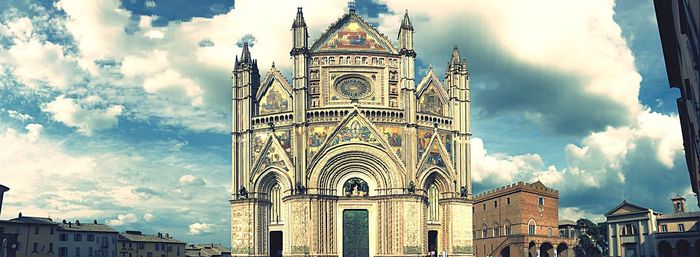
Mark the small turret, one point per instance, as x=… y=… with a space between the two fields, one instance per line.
x=678 y=204
x=455 y=56
x=406 y=37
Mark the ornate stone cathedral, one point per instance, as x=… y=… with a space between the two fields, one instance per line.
x=351 y=157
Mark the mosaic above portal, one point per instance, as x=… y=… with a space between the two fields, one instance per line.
x=353 y=37
x=430 y=102
x=354 y=131
x=275 y=100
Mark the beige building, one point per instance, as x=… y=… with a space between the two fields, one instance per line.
x=635 y=231
x=137 y=244
x=36 y=236
x=351 y=156
x=86 y=239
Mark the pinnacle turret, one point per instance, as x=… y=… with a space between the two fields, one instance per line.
x=299 y=20
x=245 y=56
x=455 y=55
x=406 y=23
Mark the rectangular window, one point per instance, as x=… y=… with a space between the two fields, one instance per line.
x=157 y=247
x=90 y=251
x=78 y=237
x=664 y=228
x=50 y=247
x=91 y=237
x=495 y=204
x=508 y=201
x=51 y=231
x=36 y=230
x=63 y=237
x=149 y=255
x=141 y=245
x=77 y=251
x=62 y=252
x=484 y=206
x=36 y=245
x=681 y=228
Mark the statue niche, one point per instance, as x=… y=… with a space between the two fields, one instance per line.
x=355 y=187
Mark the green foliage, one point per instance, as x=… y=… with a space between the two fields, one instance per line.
x=593 y=241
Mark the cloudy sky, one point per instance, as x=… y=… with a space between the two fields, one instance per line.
x=119 y=110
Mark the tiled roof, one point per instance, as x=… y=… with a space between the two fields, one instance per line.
x=134 y=237
x=679 y=215
x=86 y=227
x=34 y=220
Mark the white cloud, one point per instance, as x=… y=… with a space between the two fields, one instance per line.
x=149 y=217
x=191 y=180
x=69 y=112
x=18 y=116
x=123 y=219
x=35 y=63
x=200 y=228
x=34 y=131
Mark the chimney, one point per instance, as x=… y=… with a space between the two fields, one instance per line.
x=94 y=222
x=64 y=221
x=20 y=215
x=70 y=225
x=3 y=189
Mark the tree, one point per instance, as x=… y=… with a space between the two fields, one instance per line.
x=593 y=241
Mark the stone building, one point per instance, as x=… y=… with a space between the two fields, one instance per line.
x=207 y=250
x=137 y=244
x=86 y=239
x=351 y=157
x=35 y=236
x=679 y=28
x=639 y=231
x=519 y=220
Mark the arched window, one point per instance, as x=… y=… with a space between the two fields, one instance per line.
x=507 y=229
x=275 y=205
x=532 y=227
x=484 y=231
x=433 y=208
x=549 y=232
x=496 y=230
x=540 y=201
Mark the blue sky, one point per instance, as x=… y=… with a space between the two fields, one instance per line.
x=119 y=110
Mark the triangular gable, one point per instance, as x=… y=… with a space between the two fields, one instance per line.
x=273 y=77
x=432 y=97
x=351 y=33
x=624 y=208
x=436 y=155
x=274 y=95
x=355 y=128
x=272 y=155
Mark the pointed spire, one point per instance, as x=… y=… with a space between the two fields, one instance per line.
x=299 y=20
x=245 y=56
x=351 y=7
x=455 y=55
x=406 y=23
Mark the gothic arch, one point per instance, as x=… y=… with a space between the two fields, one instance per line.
x=264 y=181
x=368 y=161
x=436 y=175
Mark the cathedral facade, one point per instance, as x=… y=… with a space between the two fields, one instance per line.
x=351 y=156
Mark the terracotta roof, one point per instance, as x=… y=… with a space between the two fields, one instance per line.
x=679 y=215
x=86 y=227
x=34 y=220
x=136 y=236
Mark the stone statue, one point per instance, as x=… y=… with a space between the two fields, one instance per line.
x=463 y=192
x=411 y=187
x=242 y=192
x=300 y=189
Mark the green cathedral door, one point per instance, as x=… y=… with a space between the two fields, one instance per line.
x=355 y=233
